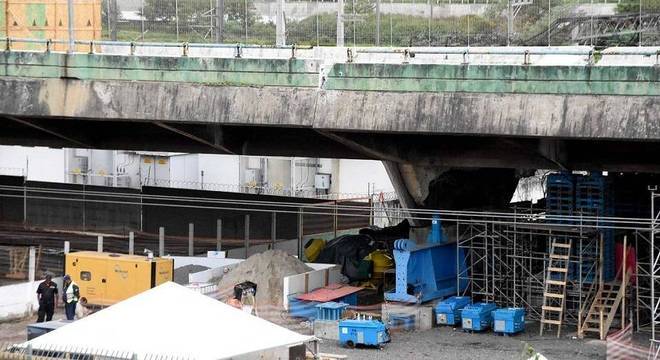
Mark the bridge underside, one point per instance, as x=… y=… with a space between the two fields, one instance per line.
x=448 y=150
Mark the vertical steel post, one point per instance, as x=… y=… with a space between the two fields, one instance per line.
x=219 y=20
x=67 y=247
x=300 y=233
x=509 y=21
x=378 y=22
x=161 y=241
x=247 y=235
x=70 y=24
x=191 y=239
x=280 y=24
x=176 y=18
x=273 y=230
x=99 y=244
x=218 y=235
x=340 y=28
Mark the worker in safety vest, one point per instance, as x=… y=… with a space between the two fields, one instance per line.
x=70 y=295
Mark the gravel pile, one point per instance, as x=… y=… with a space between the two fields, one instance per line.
x=267 y=270
x=181 y=274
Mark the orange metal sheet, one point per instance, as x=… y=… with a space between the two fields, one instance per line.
x=329 y=293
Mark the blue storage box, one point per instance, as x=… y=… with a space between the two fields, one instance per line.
x=402 y=322
x=448 y=311
x=509 y=320
x=362 y=332
x=330 y=310
x=478 y=316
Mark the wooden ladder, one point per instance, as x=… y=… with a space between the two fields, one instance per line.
x=608 y=298
x=554 y=295
x=603 y=309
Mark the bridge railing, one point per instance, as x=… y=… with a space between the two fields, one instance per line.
x=519 y=55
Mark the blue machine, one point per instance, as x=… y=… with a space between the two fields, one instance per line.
x=436 y=236
x=363 y=332
x=478 y=316
x=509 y=320
x=330 y=310
x=429 y=270
x=448 y=311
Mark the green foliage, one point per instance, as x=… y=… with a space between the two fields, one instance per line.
x=633 y=6
x=241 y=12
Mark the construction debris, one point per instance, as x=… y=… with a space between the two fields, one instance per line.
x=181 y=275
x=267 y=270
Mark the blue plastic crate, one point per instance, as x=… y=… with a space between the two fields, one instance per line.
x=509 y=320
x=478 y=316
x=330 y=310
x=362 y=332
x=448 y=311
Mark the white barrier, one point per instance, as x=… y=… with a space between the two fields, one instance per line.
x=322 y=275
x=20 y=300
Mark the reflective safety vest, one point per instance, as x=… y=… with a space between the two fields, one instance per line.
x=71 y=293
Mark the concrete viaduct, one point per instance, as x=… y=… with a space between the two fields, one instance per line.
x=449 y=124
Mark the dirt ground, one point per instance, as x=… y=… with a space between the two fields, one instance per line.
x=16 y=331
x=447 y=343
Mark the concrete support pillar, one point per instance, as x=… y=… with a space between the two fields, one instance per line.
x=191 y=239
x=247 y=235
x=161 y=241
x=99 y=244
x=340 y=23
x=280 y=24
x=218 y=236
x=67 y=247
x=32 y=264
x=131 y=243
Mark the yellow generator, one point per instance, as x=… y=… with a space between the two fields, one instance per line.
x=107 y=278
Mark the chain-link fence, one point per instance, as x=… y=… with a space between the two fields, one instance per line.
x=385 y=22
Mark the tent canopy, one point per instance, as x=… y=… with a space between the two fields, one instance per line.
x=173 y=321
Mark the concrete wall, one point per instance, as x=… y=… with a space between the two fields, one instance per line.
x=354 y=175
x=42 y=164
x=20 y=300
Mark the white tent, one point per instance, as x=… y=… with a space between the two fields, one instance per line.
x=173 y=321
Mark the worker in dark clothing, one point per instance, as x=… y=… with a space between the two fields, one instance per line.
x=47 y=295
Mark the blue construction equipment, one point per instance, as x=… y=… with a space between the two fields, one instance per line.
x=363 y=332
x=436 y=236
x=478 y=316
x=426 y=272
x=448 y=311
x=330 y=310
x=509 y=320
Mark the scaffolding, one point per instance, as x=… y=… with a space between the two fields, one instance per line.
x=506 y=261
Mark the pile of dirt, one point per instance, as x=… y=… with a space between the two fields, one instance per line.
x=267 y=270
x=181 y=274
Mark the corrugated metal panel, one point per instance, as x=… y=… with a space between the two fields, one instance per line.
x=48 y=19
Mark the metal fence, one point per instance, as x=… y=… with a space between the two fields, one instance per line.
x=385 y=22
x=30 y=352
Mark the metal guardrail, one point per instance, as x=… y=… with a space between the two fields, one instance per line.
x=591 y=53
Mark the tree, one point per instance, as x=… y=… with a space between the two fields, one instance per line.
x=241 y=11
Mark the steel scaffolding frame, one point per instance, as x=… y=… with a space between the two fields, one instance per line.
x=505 y=262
